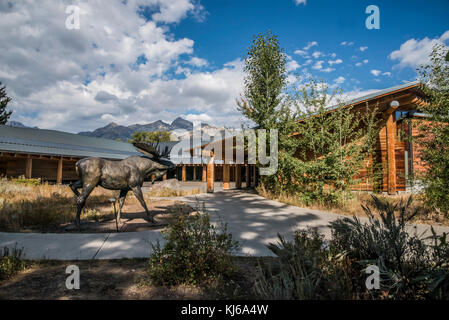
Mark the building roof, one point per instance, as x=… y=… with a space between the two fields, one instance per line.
x=383 y=92
x=59 y=143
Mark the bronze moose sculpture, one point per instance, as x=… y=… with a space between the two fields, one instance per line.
x=124 y=175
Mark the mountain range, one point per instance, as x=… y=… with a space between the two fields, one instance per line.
x=113 y=131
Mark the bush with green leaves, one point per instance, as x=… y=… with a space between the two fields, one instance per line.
x=10 y=262
x=195 y=251
x=433 y=139
x=306 y=269
x=411 y=266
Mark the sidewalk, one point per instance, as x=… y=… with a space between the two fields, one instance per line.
x=253 y=220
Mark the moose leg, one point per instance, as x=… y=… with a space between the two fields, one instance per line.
x=121 y=202
x=138 y=193
x=75 y=186
x=81 y=201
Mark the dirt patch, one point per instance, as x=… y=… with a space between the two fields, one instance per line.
x=117 y=279
x=133 y=218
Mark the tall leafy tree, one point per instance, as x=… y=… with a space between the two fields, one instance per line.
x=434 y=131
x=320 y=151
x=4 y=100
x=265 y=80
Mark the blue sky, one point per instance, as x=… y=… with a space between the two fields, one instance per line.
x=230 y=25
x=138 y=61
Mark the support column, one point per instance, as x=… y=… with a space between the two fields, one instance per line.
x=248 y=177
x=194 y=173
x=59 y=173
x=210 y=175
x=164 y=177
x=29 y=167
x=204 y=173
x=253 y=174
x=184 y=172
x=238 y=176
x=226 y=176
x=391 y=156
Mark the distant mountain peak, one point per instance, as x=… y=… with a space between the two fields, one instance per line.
x=114 y=131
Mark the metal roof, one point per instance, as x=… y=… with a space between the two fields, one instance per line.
x=376 y=94
x=59 y=143
x=382 y=92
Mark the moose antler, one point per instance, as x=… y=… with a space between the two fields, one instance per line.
x=148 y=149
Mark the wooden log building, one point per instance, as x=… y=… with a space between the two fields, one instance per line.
x=51 y=155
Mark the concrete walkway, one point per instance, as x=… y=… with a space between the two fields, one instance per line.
x=253 y=220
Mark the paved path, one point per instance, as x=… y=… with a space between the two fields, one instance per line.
x=253 y=220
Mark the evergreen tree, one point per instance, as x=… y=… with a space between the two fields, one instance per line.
x=4 y=100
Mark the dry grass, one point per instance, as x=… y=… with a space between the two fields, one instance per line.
x=167 y=192
x=27 y=204
x=352 y=207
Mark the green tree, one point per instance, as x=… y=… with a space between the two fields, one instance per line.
x=321 y=151
x=264 y=82
x=154 y=136
x=4 y=100
x=434 y=131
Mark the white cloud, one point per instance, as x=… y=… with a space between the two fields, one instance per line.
x=317 y=54
x=310 y=45
x=339 y=80
x=375 y=72
x=358 y=64
x=327 y=70
x=292 y=65
x=298 y=2
x=318 y=65
x=363 y=48
x=337 y=61
x=116 y=67
x=386 y=74
x=346 y=43
x=300 y=52
x=413 y=53
x=198 y=62
x=365 y=61
x=203 y=117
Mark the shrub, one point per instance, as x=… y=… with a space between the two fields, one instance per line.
x=195 y=251
x=306 y=269
x=10 y=262
x=411 y=267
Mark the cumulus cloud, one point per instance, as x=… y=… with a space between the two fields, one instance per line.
x=346 y=43
x=310 y=45
x=317 y=54
x=116 y=67
x=300 y=52
x=340 y=80
x=363 y=48
x=413 y=53
x=298 y=2
x=375 y=72
x=337 y=61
